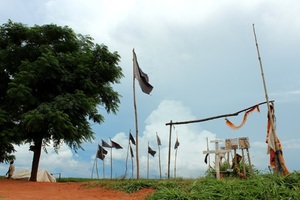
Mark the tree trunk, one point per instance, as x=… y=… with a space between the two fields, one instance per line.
x=36 y=159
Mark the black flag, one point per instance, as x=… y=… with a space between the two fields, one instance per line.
x=104 y=144
x=131 y=151
x=152 y=152
x=176 y=144
x=205 y=160
x=101 y=152
x=158 y=140
x=142 y=77
x=102 y=149
x=115 y=145
x=131 y=139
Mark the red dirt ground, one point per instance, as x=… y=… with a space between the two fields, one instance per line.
x=26 y=190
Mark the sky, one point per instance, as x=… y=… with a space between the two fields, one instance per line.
x=201 y=58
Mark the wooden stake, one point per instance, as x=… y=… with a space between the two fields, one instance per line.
x=136 y=128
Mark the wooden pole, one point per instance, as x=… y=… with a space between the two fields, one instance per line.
x=136 y=128
x=94 y=165
x=244 y=164
x=131 y=167
x=175 y=156
x=159 y=162
x=148 y=162
x=175 y=163
x=215 y=117
x=249 y=161
x=110 y=159
x=169 y=154
x=127 y=155
x=103 y=172
x=273 y=131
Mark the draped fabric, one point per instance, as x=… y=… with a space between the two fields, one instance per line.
x=231 y=125
x=274 y=148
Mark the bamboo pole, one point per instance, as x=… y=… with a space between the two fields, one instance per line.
x=94 y=165
x=131 y=167
x=110 y=158
x=244 y=164
x=278 y=155
x=127 y=155
x=159 y=162
x=136 y=128
x=148 y=162
x=103 y=172
x=249 y=161
x=169 y=154
x=175 y=157
x=215 y=117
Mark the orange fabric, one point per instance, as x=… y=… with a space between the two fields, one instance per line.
x=276 y=162
x=231 y=125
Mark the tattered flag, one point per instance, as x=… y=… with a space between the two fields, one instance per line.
x=151 y=151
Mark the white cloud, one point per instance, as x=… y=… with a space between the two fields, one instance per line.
x=192 y=138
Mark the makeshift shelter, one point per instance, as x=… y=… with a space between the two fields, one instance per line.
x=42 y=176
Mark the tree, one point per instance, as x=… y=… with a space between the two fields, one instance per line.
x=51 y=84
x=6 y=148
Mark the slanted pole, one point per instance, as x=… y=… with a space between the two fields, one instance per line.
x=278 y=155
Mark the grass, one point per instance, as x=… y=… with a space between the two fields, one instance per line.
x=258 y=186
x=261 y=186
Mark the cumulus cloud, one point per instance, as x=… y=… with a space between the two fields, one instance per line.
x=192 y=139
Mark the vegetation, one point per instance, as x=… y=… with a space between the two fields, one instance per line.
x=258 y=186
x=51 y=84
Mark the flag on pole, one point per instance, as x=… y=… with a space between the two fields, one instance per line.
x=151 y=151
x=102 y=149
x=131 y=139
x=142 y=77
x=158 y=140
x=104 y=144
x=101 y=153
x=176 y=144
x=131 y=151
x=115 y=145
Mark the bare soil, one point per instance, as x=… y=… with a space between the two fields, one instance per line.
x=26 y=190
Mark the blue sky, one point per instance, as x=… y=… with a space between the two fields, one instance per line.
x=201 y=58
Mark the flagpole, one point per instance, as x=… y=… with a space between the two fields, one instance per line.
x=127 y=156
x=131 y=167
x=136 y=127
x=169 y=154
x=278 y=155
x=97 y=168
x=175 y=158
x=110 y=159
x=148 y=163
x=207 y=148
x=103 y=172
x=159 y=157
x=94 y=165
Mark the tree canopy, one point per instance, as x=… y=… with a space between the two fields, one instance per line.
x=52 y=82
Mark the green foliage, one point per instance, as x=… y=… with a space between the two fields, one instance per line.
x=51 y=84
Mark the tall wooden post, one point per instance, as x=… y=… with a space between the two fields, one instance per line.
x=136 y=131
x=169 y=154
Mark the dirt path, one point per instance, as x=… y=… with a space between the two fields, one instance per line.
x=25 y=190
